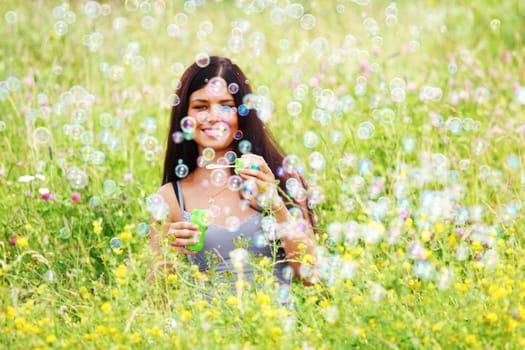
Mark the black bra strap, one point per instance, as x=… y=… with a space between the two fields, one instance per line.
x=177 y=188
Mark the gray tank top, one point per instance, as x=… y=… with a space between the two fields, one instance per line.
x=219 y=242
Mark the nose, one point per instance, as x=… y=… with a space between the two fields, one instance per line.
x=215 y=113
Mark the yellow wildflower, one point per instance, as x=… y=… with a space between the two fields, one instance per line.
x=172 y=278
x=106 y=307
x=490 y=317
x=125 y=235
x=22 y=242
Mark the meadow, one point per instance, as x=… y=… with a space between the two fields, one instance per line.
x=408 y=123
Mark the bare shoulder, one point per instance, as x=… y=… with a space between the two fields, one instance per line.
x=168 y=193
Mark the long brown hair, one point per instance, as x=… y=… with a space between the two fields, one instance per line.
x=253 y=129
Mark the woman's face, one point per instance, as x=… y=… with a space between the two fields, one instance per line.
x=213 y=107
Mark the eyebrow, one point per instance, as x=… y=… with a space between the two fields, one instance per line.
x=206 y=101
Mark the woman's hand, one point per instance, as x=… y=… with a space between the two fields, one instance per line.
x=182 y=233
x=259 y=171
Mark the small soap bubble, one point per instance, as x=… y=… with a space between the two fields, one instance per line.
x=245 y=146
x=330 y=314
x=424 y=269
x=232 y=223
x=170 y=325
x=110 y=186
x=50 y=276
x=387 y=115
x=291 y=163
x=208 y=153
x=70 y=17
x=177 y=137
x=295 y=213
x=216 y=86
x=409 y=144
x=94 y=201
x=397 y=95
x=294 y=108
x=365 y=130
x=202 y=59
x=243 y=110
x=115 y=243
x=218 y=177
x=513 y=162
x=308 y=21
x=181 y=170
x=310 y=139
x=188 y=124
x=454 y=125
x=260 y=240
x=336 y=137
x=230 y=157
x=92 y=9
x=462 y=252
x=317 y=161
x=249 y=189
x=147 y=22
x=479 y=146
x=220 y=131
x=78 y=179
x=115 y=72
x=87 y=153
x=42 y=136
x=60 y=28
x=11 y=17
x=64 y=233
x=444 y=278
x=235 y=183
x=495 y=24
x=365 y=167
x=468 y=124
x=233 y=88
x=160 y=211
x=490 y=259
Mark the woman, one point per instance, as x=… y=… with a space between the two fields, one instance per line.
x=212 y=117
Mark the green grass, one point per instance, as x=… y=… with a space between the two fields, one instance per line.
x=411 y=277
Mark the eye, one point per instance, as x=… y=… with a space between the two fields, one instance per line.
x=200 y=107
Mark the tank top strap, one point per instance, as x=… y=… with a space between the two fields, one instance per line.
x=177 y=188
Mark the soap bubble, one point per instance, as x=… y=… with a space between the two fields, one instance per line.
x=235 y=183
x=188 y=124
x=310 y=139
x=143 y=229
x=64 y=233
x=249 y=189
x=202 y=59
x=208 y=153
x=365 y=130
x=245 y=146
x=218 y=177
x=42 y=136
x=232 y=223
x=61 y=28
x=308 y=21
x=92 y=9
x=181 y=170
x=317 y=161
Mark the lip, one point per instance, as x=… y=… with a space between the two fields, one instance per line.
x=210 y=132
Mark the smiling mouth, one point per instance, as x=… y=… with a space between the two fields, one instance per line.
x=211 y=132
